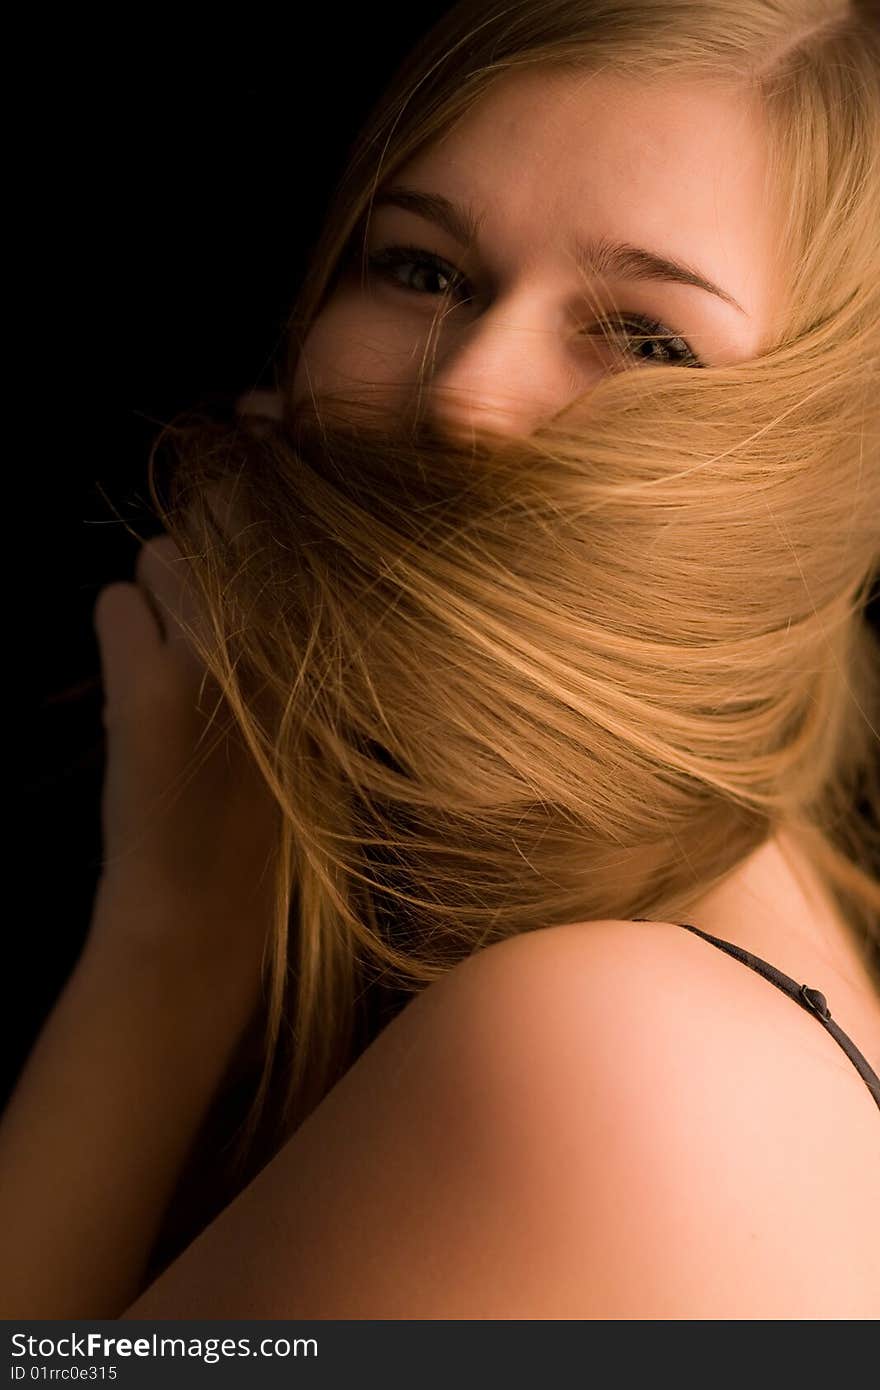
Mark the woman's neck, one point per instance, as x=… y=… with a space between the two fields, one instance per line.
x=776 y=905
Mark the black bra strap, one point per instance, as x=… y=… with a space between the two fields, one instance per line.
x=810 y=999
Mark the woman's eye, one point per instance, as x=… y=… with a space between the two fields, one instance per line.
x=644 y=338
x=648 y=340
x=394 y=258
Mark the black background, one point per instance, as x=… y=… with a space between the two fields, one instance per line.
x=168 y=191
x=171 y=190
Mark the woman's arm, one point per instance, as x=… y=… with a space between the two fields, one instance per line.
x=112 y=1096
x=97 y=1130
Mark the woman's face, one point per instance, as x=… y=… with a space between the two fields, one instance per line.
x=544 y=162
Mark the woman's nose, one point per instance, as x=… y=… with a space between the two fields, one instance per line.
x=507 y=372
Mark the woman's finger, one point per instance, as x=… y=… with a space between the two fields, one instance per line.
x=130 y=643
x=261 y=403
x=163 y=574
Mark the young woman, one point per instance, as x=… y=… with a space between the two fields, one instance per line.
x=542 y=658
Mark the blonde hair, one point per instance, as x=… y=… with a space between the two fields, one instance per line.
x=582 y=674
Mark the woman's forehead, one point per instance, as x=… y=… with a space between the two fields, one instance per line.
x=558 y=135
x=678 y=166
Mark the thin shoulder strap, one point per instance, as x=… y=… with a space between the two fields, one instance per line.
x=810 y=999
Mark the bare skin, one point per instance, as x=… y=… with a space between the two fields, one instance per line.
x=775 y=906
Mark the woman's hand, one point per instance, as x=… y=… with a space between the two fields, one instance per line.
x=260 y=405
x=188 y=824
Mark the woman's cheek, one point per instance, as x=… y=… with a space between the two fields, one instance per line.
x=354 y=345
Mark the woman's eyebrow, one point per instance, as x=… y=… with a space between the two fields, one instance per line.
x=595 y=256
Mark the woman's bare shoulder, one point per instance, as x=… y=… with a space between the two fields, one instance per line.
x=653 y=999
x=719 y=1123
x=588 y=1121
